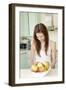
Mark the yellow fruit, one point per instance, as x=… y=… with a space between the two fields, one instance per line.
x=39 y=64
x=34 y=68
x=46 y=66
x=41 y=69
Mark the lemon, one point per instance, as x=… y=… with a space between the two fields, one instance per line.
x=34 y=68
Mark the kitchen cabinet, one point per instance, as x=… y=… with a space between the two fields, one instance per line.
x=24 y=59
x=28 y=20
x=32 y=22
x=23 y=24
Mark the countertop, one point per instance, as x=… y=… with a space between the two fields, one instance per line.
x=27 y=73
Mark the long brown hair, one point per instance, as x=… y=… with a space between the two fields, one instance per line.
x=41 y=28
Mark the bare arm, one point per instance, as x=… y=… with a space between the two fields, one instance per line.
x=32 y=53
x=53 y=54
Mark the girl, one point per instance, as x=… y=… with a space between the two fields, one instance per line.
x=42 y=48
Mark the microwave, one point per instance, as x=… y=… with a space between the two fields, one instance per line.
x=25 y=45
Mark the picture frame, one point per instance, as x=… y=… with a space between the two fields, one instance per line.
x=24 y=17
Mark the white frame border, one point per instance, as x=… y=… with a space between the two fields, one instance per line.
x=31 y=9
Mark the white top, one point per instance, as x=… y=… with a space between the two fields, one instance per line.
x=43 y=57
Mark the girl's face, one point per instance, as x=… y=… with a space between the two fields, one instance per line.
x=40 y=36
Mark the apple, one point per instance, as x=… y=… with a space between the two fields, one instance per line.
x=41 y=69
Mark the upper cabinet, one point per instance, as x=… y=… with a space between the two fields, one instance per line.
x=24 y=24
x=28 y=20
x=34 y=18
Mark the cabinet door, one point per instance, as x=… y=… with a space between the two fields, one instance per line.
x=24 y=24
x=32 y=22
x=24 y=61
